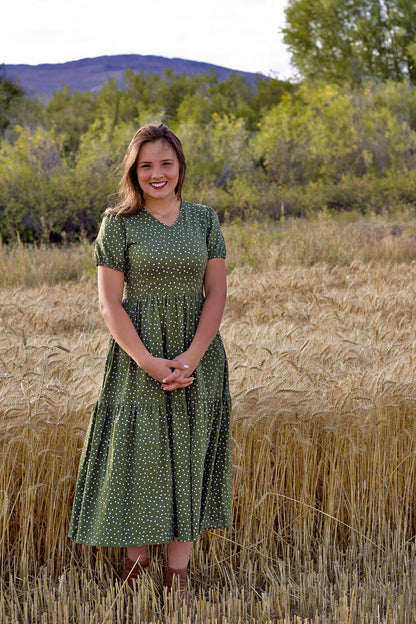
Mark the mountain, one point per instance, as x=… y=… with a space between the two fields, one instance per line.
x=90 y=74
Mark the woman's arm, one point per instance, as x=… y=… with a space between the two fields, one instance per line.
x=110 y=294
x=215 y=285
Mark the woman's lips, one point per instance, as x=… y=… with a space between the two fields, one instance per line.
x=158 y=185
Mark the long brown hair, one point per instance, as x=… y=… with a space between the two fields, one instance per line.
x=129 y=191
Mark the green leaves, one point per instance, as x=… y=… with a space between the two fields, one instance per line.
x=272 y=149
x=42 y=196
x=320 y=133
x=352 y=40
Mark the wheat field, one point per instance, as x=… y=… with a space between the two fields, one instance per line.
x=322 y=372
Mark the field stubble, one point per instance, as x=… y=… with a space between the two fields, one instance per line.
x=322 y=371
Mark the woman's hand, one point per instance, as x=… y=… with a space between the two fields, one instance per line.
x=161 y=370
x=187 y=364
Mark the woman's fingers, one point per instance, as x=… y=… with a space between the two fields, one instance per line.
x=178 y=383
x=177 y=366
x=171 y=377
x=178 y=377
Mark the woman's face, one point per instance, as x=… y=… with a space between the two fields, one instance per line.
x=157 y=170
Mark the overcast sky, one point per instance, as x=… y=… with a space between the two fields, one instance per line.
x=239 y=34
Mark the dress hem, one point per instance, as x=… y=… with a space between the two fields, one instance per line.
x=166 y=540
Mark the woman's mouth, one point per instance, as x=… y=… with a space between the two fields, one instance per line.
x=158 y=185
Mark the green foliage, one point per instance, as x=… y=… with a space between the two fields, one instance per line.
x=10 y=93
x=217 y=158
x=41 y=196
x=15 y=106
x=268 y=150
x=69 y=115
x=319 y=133
x=352 y=40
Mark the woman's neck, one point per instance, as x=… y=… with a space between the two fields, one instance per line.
x=166 y=213
x=161 y=206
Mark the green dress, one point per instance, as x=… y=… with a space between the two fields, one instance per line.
x=157 y=464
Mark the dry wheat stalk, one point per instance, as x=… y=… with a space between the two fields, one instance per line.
x=322 y=375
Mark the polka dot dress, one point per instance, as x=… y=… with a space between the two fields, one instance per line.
x=156 y=464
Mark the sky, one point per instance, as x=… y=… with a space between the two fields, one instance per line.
x=238 y=34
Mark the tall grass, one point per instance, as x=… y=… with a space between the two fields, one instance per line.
x=322 y=371
x=44 y=265
x=263 y=246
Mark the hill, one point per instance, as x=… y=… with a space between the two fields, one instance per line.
x=90 y=74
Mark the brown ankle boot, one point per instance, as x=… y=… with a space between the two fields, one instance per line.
x=132 y=571
x=176 y=584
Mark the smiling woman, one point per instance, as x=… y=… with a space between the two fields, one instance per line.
x=156 y=465
x=158 y=175
x=153 y=172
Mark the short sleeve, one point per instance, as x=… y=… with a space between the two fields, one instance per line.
x=110 y=245
x=215 y=239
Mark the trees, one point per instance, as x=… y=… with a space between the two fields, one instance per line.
x=42 y=195
x=253 y=150
x=352 y=40
x=70 y=114
x=320 y=134
x=10 y=94
x=15 y=105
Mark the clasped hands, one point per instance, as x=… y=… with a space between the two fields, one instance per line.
x=172 y=374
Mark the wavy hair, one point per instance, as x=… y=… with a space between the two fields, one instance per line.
x=129 y=191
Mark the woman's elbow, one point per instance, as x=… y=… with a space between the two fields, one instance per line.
x=218 y=296
x=107 y=309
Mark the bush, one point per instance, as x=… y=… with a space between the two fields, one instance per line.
x=314 y=148
x=42 y=198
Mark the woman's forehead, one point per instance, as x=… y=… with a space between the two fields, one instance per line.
x=156 y=150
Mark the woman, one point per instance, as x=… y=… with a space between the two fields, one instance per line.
x=156 y=463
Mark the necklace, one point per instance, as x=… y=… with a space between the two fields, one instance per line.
x=161 y=214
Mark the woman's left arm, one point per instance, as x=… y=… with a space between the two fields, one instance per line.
x=215 y=286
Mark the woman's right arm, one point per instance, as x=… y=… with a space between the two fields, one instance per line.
x=110 y=295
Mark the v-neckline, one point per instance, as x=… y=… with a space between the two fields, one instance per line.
x=165 y=224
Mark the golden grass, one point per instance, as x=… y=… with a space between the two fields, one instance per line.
x=262 y=246
x=323 y=379
x=44 y=265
